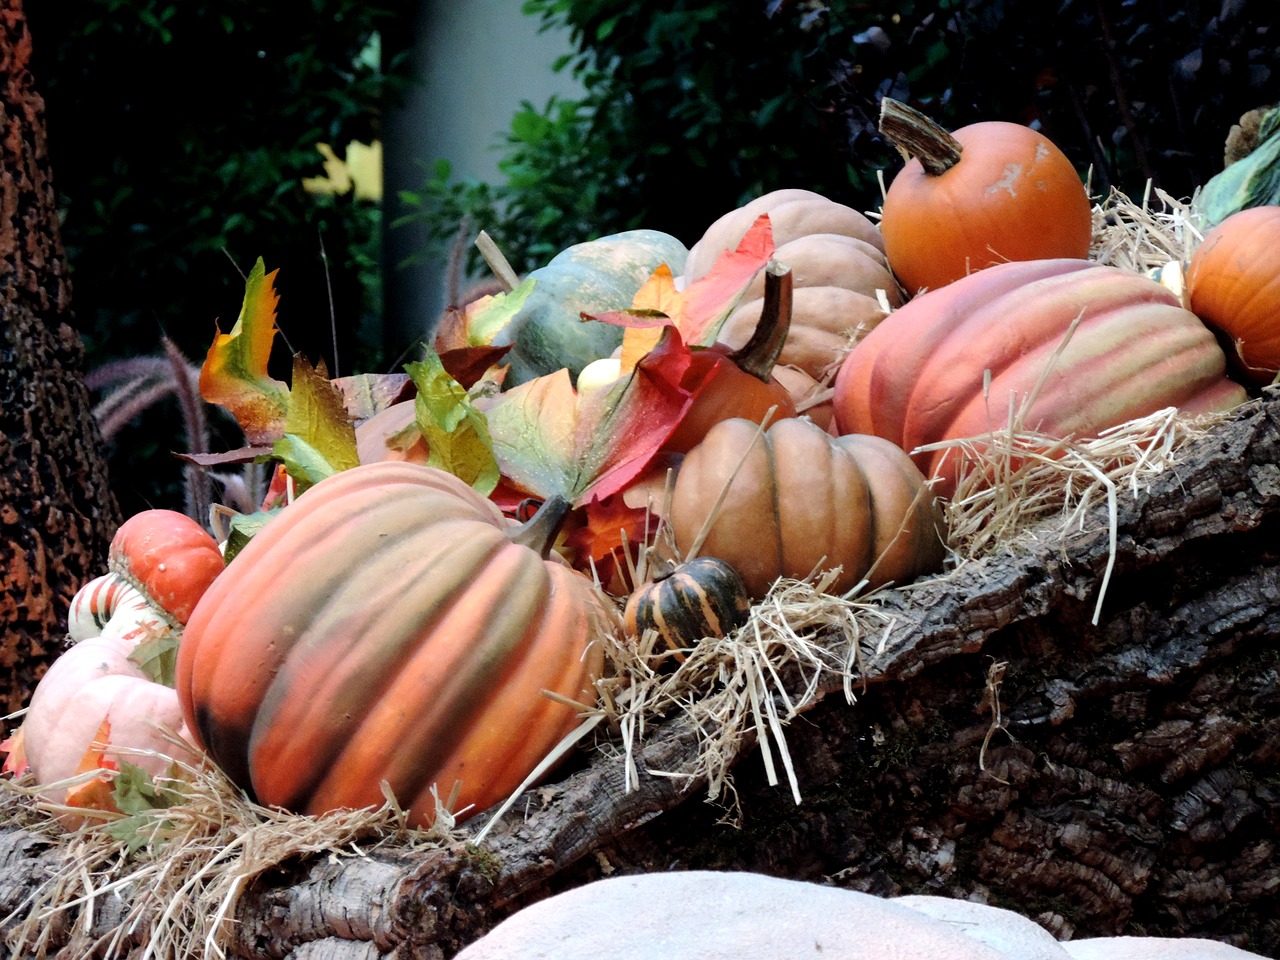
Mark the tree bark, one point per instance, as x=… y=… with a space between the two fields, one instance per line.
x=1114 y=779
x=57 y=513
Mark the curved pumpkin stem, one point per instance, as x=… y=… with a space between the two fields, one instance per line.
x=915 y=135
x=539 y=532
x=759 y=354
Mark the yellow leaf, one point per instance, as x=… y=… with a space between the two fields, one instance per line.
x=234 y=374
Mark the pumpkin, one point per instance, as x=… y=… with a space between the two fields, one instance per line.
x=731 y=383
x=1233 y=285
x=812 y=397
x=702 y=597
x=792 y=213
x=949 y=364
x=548 y=333
x=825 y=324
x=95 y=708
x=167 y=557
x=388 y=626
x=797 y=500
x=988 y=193
x=387 y=435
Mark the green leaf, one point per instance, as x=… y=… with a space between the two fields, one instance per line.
x=157 y=658
x=138 y=796
x=134 y=791
x=456 y=432
x=319 y=438
x=243 y=528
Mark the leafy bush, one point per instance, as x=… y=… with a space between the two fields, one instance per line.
x=693 y=108
x=179 y=132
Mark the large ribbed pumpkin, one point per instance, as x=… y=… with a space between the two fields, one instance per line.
x=1233 y=283
x=919 y=377
x=797 y=500
x=385 y=627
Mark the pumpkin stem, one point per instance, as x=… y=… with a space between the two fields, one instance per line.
x=759 y=354
x=539 y=532
x=915 y=135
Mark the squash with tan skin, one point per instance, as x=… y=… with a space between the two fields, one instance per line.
x=792 y=213
x=399 y=632
x=799 y=500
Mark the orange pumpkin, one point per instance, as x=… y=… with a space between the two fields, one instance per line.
x=740 y=383
x=948 y=364
x=988 y=193
x=802 y=501
x=388 y=627
x=1233 y=285
x=168 y=557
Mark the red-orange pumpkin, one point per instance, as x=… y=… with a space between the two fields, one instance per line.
x=168 y=557
x=988 y=193
x=386 y=627
x=740 y=383
x=1233 y=282
x=799 y=500
x=918 y=377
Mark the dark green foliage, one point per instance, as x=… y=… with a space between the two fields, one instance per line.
x=179 y=131
x=695 y=106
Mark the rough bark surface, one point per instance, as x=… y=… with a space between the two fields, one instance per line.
x=57 y=513
x=1122 y=778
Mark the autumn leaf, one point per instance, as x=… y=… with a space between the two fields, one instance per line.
x=234 y=374
x=456 y=432
x=319 y=439
x=550 y=439
x=15 y=761
x=698 y=311
x=602 y=528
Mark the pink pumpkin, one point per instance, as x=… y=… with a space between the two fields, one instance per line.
x=96 y=708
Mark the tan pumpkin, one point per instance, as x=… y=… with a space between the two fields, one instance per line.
x=390 y=435
x=825 y=324
x=797 y=500
x=388 y=626
x=792 y=213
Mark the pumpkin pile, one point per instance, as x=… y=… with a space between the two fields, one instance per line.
x=638 y=440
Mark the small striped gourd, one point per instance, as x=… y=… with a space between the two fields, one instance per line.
x=702 y=597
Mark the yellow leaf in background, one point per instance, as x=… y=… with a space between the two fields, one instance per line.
x=234 y=374
x=335 y=180
x=364 y=165
x=362 y=170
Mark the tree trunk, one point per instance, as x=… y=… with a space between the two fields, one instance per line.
x=57 y=513
x=1122 y=778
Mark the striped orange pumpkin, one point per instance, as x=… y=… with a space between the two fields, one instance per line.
x=387 y=627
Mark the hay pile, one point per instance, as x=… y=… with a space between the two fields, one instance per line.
x=179 y=871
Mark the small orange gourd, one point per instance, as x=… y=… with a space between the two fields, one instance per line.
x=988 y=193
x=1233 y=282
